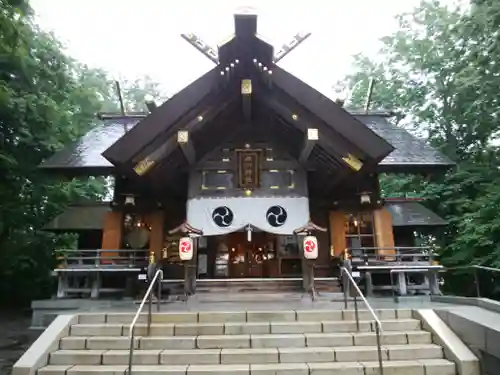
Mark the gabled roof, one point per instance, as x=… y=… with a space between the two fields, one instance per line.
x=248 y=58
x=214 y=105
x=85 y=156
x=407 y=213
x=410 y=153
x=88 y=216
x=185 y=105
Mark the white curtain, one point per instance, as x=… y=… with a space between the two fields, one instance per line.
x=278 y=215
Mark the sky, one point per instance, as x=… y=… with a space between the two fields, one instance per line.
x=133 y=38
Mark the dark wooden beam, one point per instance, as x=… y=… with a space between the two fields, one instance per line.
x=186 y=146
x=201 y=46
x=163 y=118
x=193 y=120
x=151 y=105
x=309 y=143
x=332 y=114
x=246 y=99
x=290 y=46
x=155 y=153
x=274 y=164
x=332 y=143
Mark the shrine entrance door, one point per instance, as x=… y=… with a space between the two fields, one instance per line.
x=250 y=259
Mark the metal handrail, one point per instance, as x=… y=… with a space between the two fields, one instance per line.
x=484 y=268
x=476 y=276
x=147 y=296
x=378 y=324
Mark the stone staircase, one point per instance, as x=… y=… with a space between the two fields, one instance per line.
x=262 y=286
x=313 y=342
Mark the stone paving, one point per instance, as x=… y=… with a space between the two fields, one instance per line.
x=277 y=302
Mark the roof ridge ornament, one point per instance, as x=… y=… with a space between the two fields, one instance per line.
x=245 y=9
x=212 y=54
x=201 y=46
x=286 y=48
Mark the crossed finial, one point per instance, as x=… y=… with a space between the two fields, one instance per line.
x=212 y=54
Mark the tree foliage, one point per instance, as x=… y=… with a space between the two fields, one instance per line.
x=439 y=72
x=46 y=101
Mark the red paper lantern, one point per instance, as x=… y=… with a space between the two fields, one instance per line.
x=186 y=248
x=310 y=247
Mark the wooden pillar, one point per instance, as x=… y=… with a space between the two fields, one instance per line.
x=337 y=232
x=384 y=231
x=190 y=268
x=320 y=217
x=111 y=235
x=156 y=220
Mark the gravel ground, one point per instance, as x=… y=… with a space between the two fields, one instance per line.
x=15 y=338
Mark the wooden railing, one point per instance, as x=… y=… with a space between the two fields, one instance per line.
x=81 y=272
x=399 y=254
x=400 y=265
x=101 y=258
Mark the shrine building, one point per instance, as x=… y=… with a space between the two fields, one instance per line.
x=245 y=160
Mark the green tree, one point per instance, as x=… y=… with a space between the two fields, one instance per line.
x=440 y=71
x=47 y=100
x=135 y=91
x=38 y=97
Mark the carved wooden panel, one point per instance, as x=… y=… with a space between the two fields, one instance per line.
x=248 y=168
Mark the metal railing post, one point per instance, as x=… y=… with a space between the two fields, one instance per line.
x=148 y=296
x=345 y=296
x=131 y=351
x=379 y=349
x=378 y=325
x=158 y=303
x=476 y=281
x=356 y=313
x=150 y=308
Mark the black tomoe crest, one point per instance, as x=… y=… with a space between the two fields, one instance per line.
x=276 y=216
x=223 y=216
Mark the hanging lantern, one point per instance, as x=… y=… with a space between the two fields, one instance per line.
x=249 y=233
x=310 y=247
x=186 y=248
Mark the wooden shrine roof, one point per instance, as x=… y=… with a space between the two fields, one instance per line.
x=82 y=217
x=410 y=153
x=408 y=213
x=213 y=107
x=247 y=60
x=85 y=155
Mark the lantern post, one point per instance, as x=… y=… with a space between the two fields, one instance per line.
x=188 y=255
x=310 y=250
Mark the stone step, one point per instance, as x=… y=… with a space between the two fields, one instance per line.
x=190 y=342
x=251 y=286
x=224 y=328
x=245 y=355
x=411 y=367
x=190 y=329
x=244 y=316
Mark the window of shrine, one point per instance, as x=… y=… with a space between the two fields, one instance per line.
x=359 y=230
